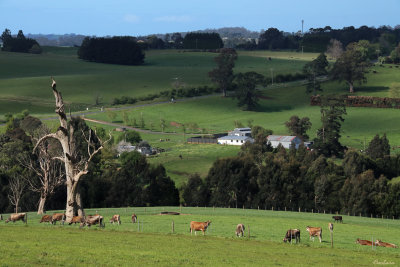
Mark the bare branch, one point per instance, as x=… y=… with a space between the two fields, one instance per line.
x=47 y=136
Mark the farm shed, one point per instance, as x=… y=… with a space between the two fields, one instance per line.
x=234 y=140
x=285 y=141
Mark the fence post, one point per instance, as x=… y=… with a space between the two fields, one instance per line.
x=272 y=208
x=285 y=208
x=324 y=211
x=299 y=209
x=138 y=225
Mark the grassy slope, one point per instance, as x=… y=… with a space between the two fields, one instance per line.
x=24 y=78
x=123 y=245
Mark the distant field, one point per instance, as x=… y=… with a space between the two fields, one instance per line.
x=24 y=78
x=42 y=244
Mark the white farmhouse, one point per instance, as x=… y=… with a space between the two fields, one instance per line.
x=285 y=141
x=234 y=140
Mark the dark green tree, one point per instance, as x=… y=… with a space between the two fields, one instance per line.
x=132 y=137
x=327 y=141
x=378 y=148
x=312 y=70
x=350 y=66
x=246 y=90
x=223 y=74
x=299 y=127
x=195 y=192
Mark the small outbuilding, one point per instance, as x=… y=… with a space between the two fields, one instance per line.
x=286 y=141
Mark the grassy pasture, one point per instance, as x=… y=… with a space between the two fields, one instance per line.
x=25 y=77
x=42 y=244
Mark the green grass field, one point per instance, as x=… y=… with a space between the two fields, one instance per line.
x=155 y=244
x=24 y=78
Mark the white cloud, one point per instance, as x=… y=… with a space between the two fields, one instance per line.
x=131 y=18
x=173 y=19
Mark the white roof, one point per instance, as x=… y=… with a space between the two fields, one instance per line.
x=235 y=137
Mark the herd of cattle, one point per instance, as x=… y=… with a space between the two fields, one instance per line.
x=291 y=234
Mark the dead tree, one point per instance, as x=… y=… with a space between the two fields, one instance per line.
x=48 y=170
x=17 y=185
x=76 y=165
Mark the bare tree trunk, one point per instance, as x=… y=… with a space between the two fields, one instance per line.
x=42 y=202
x=351 y=88
x=79 y=207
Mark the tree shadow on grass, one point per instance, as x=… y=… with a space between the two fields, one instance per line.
x=372 y=89
x=272 y=108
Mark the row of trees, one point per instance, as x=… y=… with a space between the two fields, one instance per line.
x=264 y=177
x=19 y=43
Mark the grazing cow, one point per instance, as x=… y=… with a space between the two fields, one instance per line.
x=134 y=218
x=46 y=218
x=17 y=217
x=115 y=219
x=315 y=231
x=292 y=234
x=338 y=218
x=380 y=243
x=92 y=220
x=58 y=217
x=199 y=226
x=76 y=219
x=240 y=230
x=363 y=242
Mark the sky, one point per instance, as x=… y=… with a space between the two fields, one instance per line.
x=137 y=18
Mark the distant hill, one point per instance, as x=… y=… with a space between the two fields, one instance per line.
x=76 y=39
x=233 y=32
x=58 y=39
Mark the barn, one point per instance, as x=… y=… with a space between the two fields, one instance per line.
x=234 y=140
x=285 y=141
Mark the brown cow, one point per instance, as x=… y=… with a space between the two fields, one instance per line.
x=338 y=218
x=17 y=217
x=116 y=219
x=46 y=218
x=58 y=217
x=92 y=220
x=380 y=243
x=240 y=230
x=76 y=219
x=363 y=242
x=134 y=218
x=315 y=231
x=199 y=226
x=292 y=234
